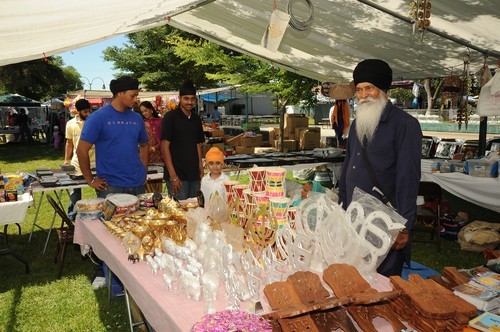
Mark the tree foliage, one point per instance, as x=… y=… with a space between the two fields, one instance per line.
x=163 y=57
x=149 y=56
x=39 y=79
x=252 y=76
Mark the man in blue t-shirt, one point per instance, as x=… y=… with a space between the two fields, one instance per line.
x=121 y=143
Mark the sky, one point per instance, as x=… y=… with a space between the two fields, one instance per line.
x=89 y=62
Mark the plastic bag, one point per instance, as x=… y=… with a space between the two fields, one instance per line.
x=489 y=97
x=304 y=174
x=479 y=235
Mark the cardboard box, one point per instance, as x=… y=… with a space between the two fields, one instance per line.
x=288 y=145
x=297 y=131
x=251 y=141
x=244 y=150
x=205 y=147
x=234 y=141
x=309 y=140
x=293 y=121
x=216 y=133
x=262 y=149
x=13 y=182
x=273 y=134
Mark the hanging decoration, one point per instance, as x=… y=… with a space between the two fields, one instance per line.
x=420 y=13
x=296 y=6
x=340 y=120
x=275 y=29
x=464 y=108
x=489 y=95
x=452 y=87
x=325 y=88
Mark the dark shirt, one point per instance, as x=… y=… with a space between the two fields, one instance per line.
x=23 y=120
x=394 y=154
x=184 y=134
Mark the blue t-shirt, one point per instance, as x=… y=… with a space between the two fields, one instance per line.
x=116 y=136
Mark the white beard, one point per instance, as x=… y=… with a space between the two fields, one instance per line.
x=368 y=115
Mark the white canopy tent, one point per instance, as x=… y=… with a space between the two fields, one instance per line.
x=342 y=32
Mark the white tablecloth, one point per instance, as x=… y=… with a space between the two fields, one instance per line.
x=13 y=212
x=484 y=192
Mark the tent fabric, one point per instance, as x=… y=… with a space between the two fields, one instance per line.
x=18 y=100
x=342 y=32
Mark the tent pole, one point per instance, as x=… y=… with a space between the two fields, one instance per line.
x=483 y=124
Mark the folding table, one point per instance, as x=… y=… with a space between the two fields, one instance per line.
x=14 y=213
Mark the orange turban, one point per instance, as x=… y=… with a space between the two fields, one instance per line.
x=214 y=154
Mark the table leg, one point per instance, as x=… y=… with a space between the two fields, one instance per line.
x=135 y=316
x=36 y=216
x=58 y=199
x=8 y=250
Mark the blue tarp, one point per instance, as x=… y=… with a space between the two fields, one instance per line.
x=417 y=268
x=210 y=97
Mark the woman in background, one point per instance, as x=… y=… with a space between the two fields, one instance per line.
x=152 y=121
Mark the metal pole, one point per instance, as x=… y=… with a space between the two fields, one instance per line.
x=483 y=124
x=457 y=40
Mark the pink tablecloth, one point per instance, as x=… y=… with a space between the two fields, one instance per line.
x=165 y=311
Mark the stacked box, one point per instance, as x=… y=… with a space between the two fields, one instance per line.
x=309 y=140
x=293 y=121
x=249 y=142
x=288 y=145
x=244 y=150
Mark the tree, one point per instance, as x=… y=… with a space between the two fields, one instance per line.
x=39 y=79
x=150 y=57
x=251 y=75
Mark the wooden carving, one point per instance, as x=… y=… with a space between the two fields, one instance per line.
x=346 y=281
x=333 y=320
x=283 y=300
x=298 y=324
x=429 y=306
x=303 y=304
x=310 y=291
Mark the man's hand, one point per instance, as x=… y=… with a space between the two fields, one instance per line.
x=99 y=184
x=176 y=185
x=401 y=240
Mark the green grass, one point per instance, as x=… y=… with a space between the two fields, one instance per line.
x=39 y=302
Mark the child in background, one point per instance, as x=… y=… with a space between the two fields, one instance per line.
x=214 y=180
x=57 y=138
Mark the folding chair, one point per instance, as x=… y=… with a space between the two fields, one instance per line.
x=429 y=216
x=64 y=235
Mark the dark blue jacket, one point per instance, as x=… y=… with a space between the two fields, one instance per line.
x=394 y=154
